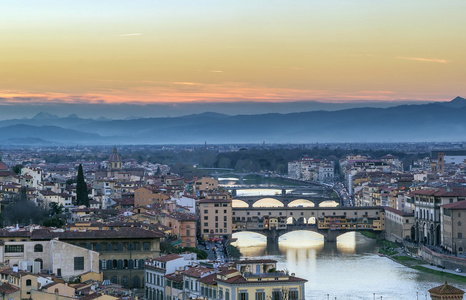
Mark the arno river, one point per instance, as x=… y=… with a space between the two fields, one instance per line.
x=348 y=269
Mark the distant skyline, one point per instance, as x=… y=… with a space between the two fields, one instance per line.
x=172 y=52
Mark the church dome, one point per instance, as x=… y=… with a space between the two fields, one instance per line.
x=115 y=157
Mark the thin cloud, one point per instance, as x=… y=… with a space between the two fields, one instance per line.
x=442 y=61
x=185 y=83
x=130 y=34
x=215 y=71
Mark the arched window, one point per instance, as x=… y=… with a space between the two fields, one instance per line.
x=28 y=282
x=38 y=248
x=114 y=280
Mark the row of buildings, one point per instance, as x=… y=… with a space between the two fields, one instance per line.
x=311 y=169
x=424 y=204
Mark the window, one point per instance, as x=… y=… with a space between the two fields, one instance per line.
x=206 y=224
x=206 y=217
x=260 y=295
x=79 y=263
x=225 y=225
x=224 y=218
x=146 y=246
x=205 y=211
x=276 y=295
x=460 y=235
x=459 y=223
x=224 y=211
x=38 y=248
x=14 y=248
x=293 y=295
x=243 y=296
x=28 y=282
x=216 y=218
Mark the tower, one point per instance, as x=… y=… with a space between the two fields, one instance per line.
x=441 y=163
x=114 y=161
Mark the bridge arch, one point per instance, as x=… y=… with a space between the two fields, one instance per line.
x=312 y=221
x=239 y=203
x=253 y=237
x=268 y=202
x=301 y=221
x=303 y=230
x=328 y=203
x=291 y=221
x=301 y=203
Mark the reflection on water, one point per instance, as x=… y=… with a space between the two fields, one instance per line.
x=348 y=269
x=260 y=192
x=328 y=203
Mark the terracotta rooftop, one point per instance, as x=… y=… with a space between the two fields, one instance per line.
x=197 y=272
x=8 y=289
x=446 y=289
x=168 y=257
x=455 y=205
x=122 y=232
x=209 y=279
x=175 y=277
x=398 y=212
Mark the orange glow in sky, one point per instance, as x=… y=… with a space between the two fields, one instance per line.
x=265 y=50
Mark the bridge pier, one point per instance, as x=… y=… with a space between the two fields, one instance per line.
x=272 y=237
x=331 y=236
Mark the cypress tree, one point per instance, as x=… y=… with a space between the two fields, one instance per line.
x=81 y=188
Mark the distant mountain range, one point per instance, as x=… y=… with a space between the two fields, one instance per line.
x=439 y=121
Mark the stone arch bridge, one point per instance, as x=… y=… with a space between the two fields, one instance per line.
x=287 y=200
x=330 y=222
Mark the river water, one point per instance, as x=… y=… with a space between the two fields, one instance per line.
x=348 y=269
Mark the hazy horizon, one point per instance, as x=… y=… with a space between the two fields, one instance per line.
x=155 y=110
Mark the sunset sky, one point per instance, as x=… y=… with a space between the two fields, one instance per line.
x=251 y=50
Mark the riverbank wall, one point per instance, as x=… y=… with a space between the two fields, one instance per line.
x=439 y=259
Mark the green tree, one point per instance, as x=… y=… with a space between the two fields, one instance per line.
x=82 y=197
x=17 y=169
